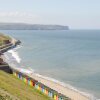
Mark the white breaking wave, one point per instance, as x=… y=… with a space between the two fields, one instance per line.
x=12 y=58
x=15 y=55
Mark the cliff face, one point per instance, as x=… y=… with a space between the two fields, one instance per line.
x=21 y=26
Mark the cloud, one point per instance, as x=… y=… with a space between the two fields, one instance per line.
x=17 y=14
x=27 y=17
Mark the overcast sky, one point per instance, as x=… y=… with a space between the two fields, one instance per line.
x=77 y=14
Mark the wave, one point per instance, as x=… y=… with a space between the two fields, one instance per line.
x=15 y=54
x=13 y=59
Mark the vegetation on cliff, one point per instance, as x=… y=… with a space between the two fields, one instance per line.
x=12 y=88
x=4 y=39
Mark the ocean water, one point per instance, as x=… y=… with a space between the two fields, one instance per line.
x=72 y=56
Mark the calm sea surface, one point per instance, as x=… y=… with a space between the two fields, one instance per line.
x=70 y=56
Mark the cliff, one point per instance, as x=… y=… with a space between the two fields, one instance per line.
x=22 y=26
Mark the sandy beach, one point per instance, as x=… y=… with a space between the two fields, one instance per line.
x=67 y=91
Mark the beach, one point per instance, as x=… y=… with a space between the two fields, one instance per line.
x=67 y=91
x=55 y=85
x=66 y=56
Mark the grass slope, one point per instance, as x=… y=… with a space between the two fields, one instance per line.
x=13 y=87
x=2 y=38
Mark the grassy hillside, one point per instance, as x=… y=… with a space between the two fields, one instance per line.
x=3 y=38
x=12 y=88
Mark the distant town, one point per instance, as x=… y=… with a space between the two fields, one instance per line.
x=24 y=26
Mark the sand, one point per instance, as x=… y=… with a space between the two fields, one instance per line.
x=67 y=91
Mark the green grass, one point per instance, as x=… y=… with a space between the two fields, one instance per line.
x=19 y=89
x=2 y=38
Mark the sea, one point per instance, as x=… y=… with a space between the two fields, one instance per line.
x=71 y=56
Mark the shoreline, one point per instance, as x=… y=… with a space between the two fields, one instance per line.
x=60 y=87
x=70 y=92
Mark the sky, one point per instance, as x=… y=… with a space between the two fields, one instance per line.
x=77 y=14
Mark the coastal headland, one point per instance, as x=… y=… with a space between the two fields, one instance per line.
x=25 y=26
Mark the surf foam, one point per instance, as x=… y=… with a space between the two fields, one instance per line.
x=15 y=55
